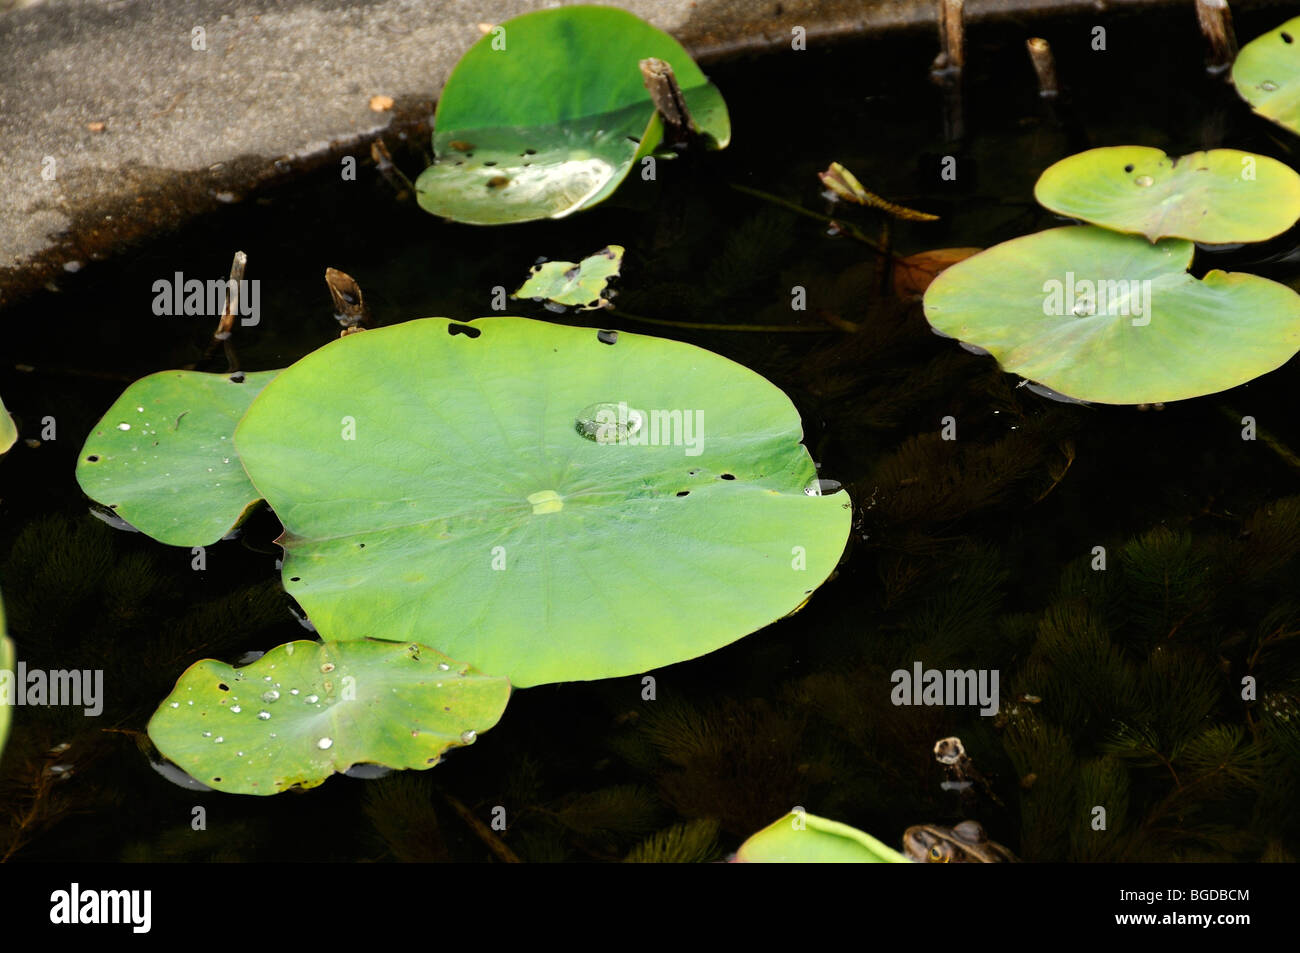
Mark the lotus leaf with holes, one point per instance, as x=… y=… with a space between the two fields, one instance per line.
x=440 y=486
x=1217 y=197
x=547 y=113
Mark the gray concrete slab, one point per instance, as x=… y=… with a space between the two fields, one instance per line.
x=116 y=121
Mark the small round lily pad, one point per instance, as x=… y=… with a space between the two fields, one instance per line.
x=306 y=710
x=1110 y=318
x=574 y=284
x=163 y=457
x=1216 y=197
x=1266 y=73
x=8 y=432
x=801 y=838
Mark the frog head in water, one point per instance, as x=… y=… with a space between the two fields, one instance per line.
x=965 y=843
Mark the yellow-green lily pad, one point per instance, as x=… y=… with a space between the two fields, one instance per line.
x=306 y=710
x=8 y=431
x=1266 y=73
x=163 y=457
x=1111 y=318
x=574 y=284
x=802 y=838
x=1216 y=197
x=7 y=662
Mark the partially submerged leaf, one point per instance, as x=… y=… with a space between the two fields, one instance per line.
x=913 y=274
x=1266 y=73
x=544 y=502
x=7 y=664
x=163 y=457
x=1217 y=197
x=581 y=284
x=802 y=838
x=306 y=710
x=1101 y=316
x=546 y=114
x=8 y=431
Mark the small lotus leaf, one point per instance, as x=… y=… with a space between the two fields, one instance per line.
x=544 y=502
x=580 y=284
x=1101 y=316
x=164 y=460
x=8 y=432
x=801 y=838
x=547 y=113
x=1266 y=73
x=1219 y=196
x=6 y=674
x=307 y=710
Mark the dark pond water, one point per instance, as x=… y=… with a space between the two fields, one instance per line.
x=973 y=553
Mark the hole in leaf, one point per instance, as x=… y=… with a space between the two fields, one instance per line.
x=1287 y=38
x=529 y=152
x=728 y=476
x=607 y=337
x=464 y=329
x=683 y=492
x=361 y=545
x=1129 y=167
x=295 y=578
x=218 y=780
x=237 y=377
x=223 y=686
x=489 y=163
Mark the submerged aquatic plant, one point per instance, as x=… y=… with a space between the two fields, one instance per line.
x=547 y=113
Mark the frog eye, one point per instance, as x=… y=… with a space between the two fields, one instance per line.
x=938 y=855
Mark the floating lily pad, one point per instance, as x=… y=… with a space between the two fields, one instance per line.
x=7 y=664
x=1148 y=332
x=1267 y=74
x=553 y=122
x=8 y=431
x=579 y=284
x=163 y=458
x=475 y=487
x=306 y=710
x=800 y=838
x=1218 y=196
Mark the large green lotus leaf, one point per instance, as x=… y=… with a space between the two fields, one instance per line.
x=306 y=710
x=553 y=122
x=1216 y=197
x=8 y=432
x=1267 y=74
x=473 y=488
x=800 y=838
x=6 y=666
x=1192 y=336
x=162 y=458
